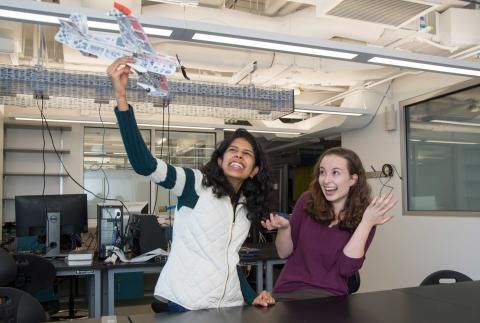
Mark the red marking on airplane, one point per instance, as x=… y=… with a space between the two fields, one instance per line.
x=122 y=8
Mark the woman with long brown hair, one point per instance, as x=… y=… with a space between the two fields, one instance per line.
x=330 y=229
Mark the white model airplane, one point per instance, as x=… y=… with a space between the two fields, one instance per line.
x=132 y=42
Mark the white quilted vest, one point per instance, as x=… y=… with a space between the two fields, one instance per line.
x=201 y=268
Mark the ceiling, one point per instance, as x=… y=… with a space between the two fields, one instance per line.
x=451 y=31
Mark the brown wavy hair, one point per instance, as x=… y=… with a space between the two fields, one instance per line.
x=321 y=210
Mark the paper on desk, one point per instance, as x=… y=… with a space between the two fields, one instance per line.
x=142 y=258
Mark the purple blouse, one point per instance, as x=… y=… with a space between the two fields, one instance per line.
x=317 y=260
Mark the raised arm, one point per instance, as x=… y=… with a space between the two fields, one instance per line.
x=375 y=214
x=119 y=72
x=138 y=153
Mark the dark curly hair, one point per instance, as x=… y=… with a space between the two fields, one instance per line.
x=256 y=190
x=358 y=196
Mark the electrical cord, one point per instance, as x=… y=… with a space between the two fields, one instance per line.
x=165 y=105
x=100 y=168
x=66 y=170
x=380 y=104
x=42 y=238
x=385 y=169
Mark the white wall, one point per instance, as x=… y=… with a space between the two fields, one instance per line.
x=408 y=248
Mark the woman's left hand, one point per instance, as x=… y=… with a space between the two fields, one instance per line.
x=264 y=299
x=376 y=212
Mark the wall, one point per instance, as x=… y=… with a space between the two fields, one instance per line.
x=408 y=248
x=33 y=162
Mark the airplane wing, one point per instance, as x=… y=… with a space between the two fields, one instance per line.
x=132 y=41
x=73 y=32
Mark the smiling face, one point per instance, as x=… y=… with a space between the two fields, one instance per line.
x=335 y=180
x=238 y=162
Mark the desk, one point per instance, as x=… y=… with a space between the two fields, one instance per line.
x=465 y=294
x=109 y=281
x=92 y=273
x=434 y=304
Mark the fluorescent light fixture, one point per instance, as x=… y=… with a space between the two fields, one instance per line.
x=110 y=26
x=452 y=142
x=424 y=66
x=190 y=3
x=158 y=31
x=175 y=127
x=415 y=140
x=53 y=19
x=272 y=46
x=473 y=124
x=63 y=120
x=328 y=112
x=30 y=17
x=267 y=131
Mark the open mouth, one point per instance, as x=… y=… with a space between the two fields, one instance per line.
x=330 y=190
x=236 y=165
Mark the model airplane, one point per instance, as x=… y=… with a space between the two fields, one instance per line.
x=133 y=41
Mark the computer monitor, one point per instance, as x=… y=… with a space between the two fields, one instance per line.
x=52 y=217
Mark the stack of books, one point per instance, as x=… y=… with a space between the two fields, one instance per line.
x=79 y=258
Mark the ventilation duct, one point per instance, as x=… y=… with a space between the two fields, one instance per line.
x=394 y=13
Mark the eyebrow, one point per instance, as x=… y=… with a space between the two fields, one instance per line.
x=334 y=168
x=235 y=146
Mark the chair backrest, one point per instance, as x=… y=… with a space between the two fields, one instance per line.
x=444 y=276
x=16 y=306
x=353 y=282
x=8 y=268
x=34 y=272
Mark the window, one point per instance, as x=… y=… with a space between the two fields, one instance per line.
x=441 y=152
x=107 y=171
x=183 y=149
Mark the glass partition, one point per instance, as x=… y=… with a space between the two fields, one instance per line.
x=441 y=142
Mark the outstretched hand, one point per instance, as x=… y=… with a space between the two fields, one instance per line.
x=376 y=212
x=119 y=72
x=264 y=299
x=275 y=222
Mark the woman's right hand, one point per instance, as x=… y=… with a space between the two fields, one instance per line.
x=119 y=72
x=275 y=222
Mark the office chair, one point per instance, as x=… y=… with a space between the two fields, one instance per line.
x=451 y=275
x=34 y=274
x=16 y=305
x=353 y=282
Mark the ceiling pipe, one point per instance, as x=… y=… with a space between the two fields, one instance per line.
x=289 y=8
x=273 y=6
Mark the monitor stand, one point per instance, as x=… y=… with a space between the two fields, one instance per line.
x=53 y=234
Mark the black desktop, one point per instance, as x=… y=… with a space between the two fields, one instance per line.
x=55 y=220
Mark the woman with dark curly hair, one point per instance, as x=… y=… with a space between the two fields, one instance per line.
x=330 y=229
x=215 y=207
